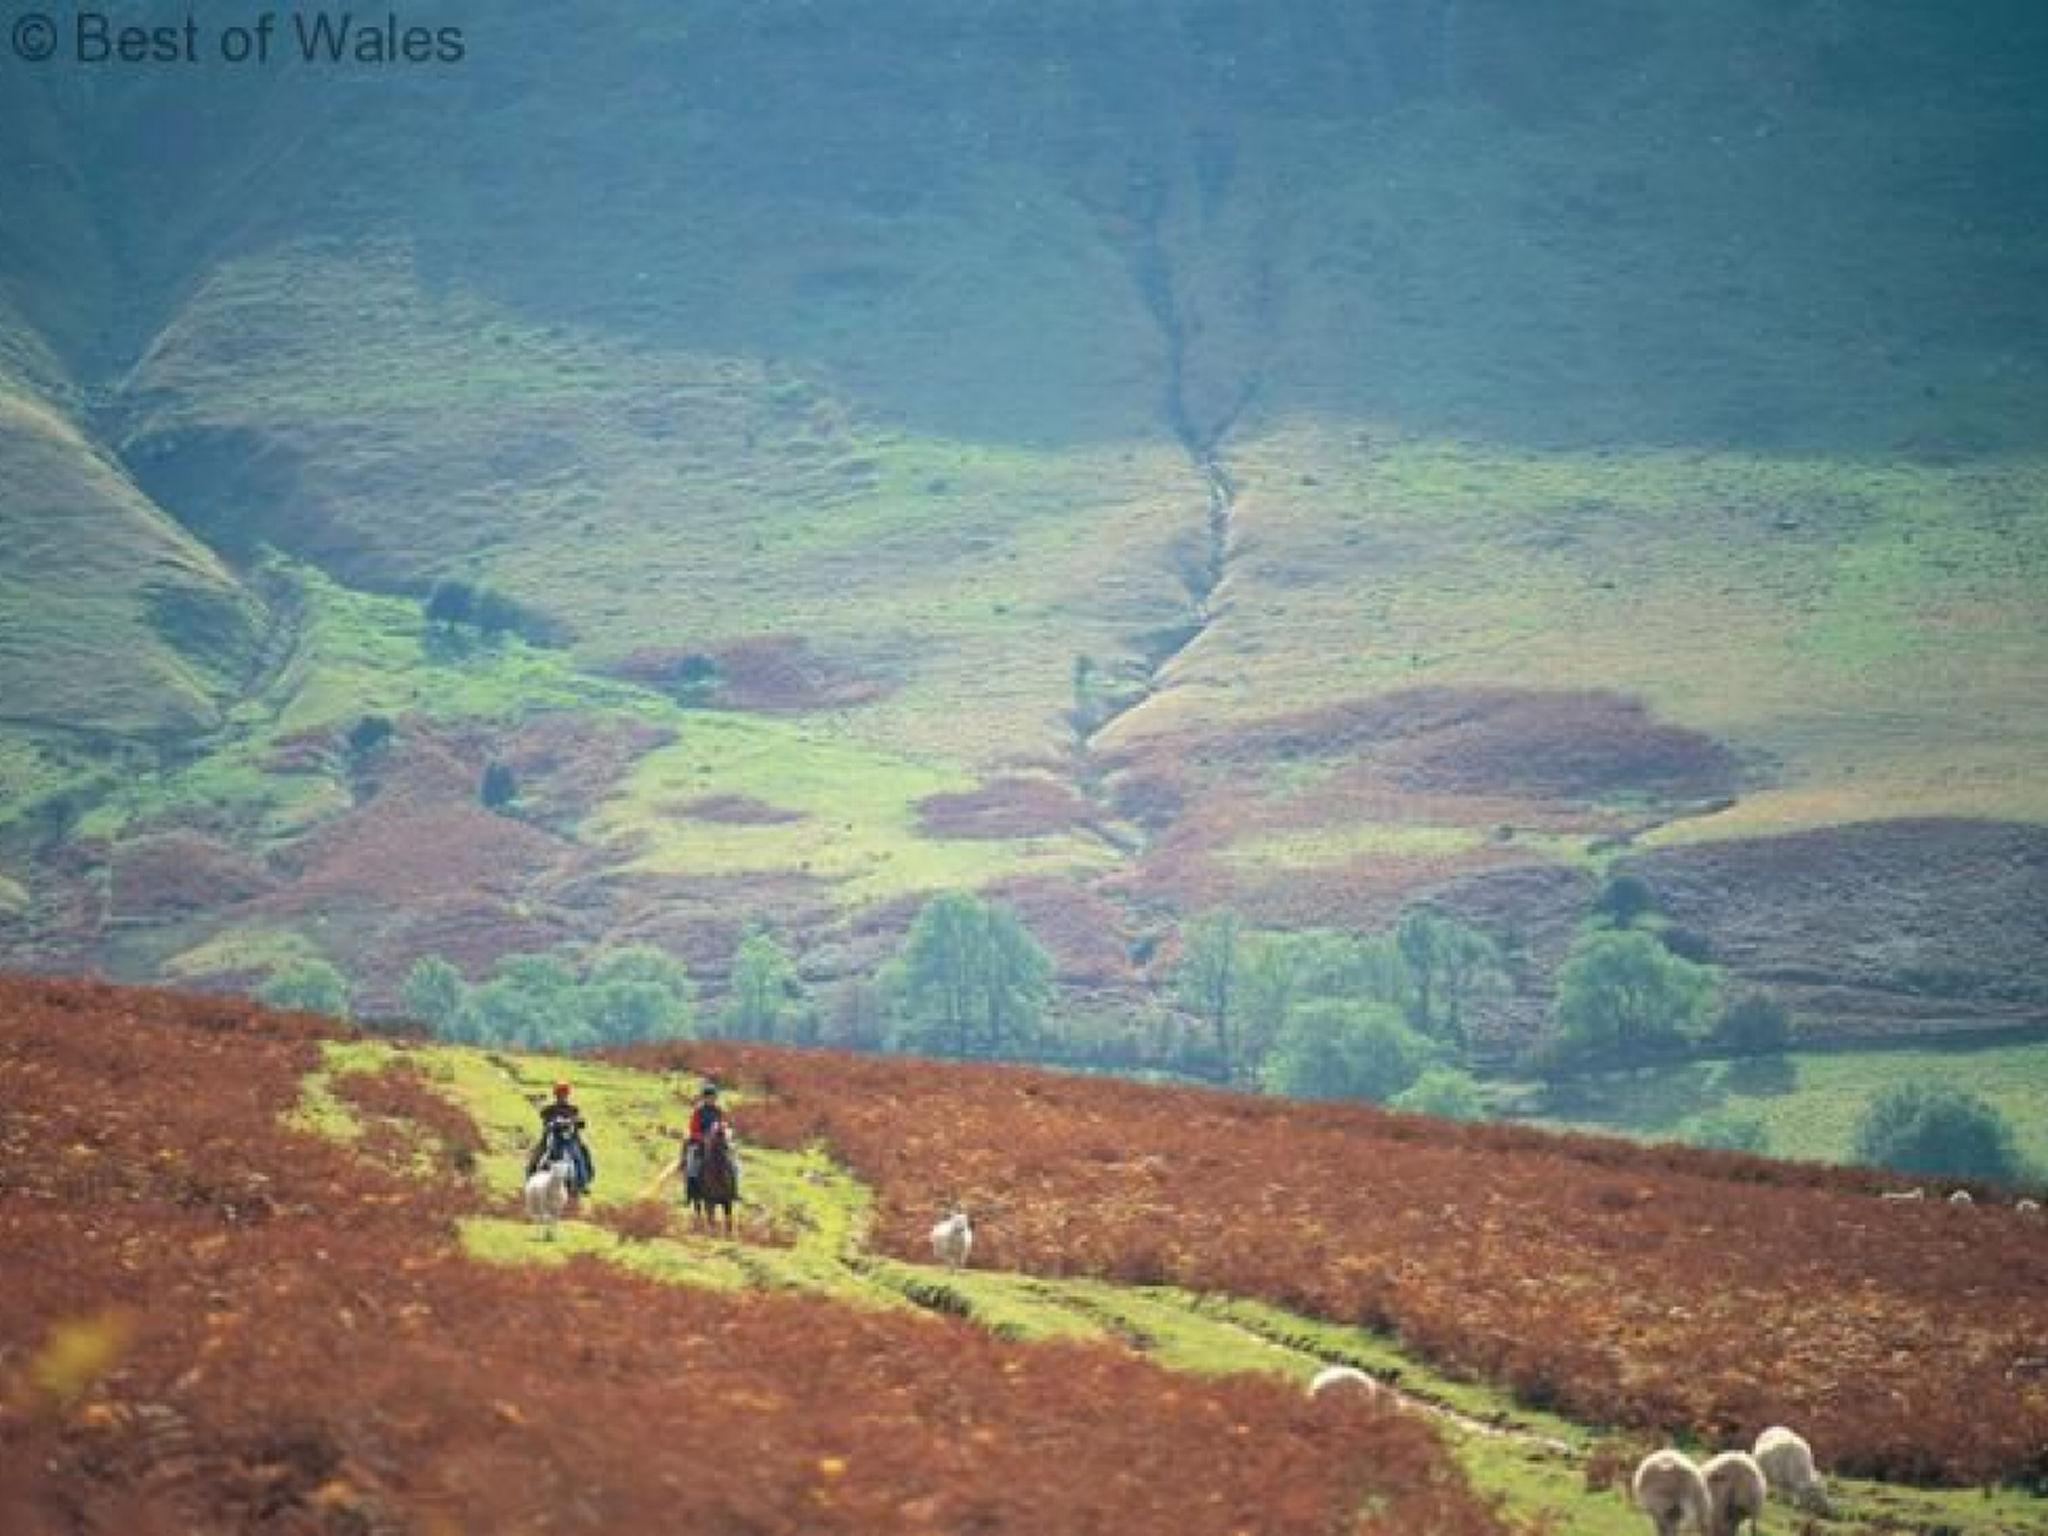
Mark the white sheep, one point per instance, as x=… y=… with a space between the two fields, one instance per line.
x=1960 y=1197
x=953 y=1240
x=547 y=1196
x=2027 y=1207
x=1331 y=1377
x=1915 y=1193
x=1670 y=1489
x=1737 y=1489
x=1787 y=1461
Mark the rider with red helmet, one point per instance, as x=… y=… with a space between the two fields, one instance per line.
x=559 y=1116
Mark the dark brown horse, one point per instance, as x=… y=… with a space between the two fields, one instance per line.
x=711 y=1179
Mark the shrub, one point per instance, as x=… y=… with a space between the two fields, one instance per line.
x=499 y=787
x=1917 y=1128
x=308 y=986
x=1624 y=898
x=368 y=734
x=1445 y=1092
x=1754 y=1025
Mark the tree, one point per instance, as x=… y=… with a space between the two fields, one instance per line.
x=1624 y=898
x=368 y=734
x=1623 y=996
x=972 y=981
x=1918 y=1128
x=308 y=986
x=499 y=786
x=1205 y=981
x=1443 y=1091
x=1339 y=1049
x=496 y=614
x=1446 y=967
x=765 y=994
x=451 y=602
x=1754 y=1024
x=434 y=992
x=638 y=993
x=530 y=1000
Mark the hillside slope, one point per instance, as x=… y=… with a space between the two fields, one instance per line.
x=1139 y=460
x=278 y=1279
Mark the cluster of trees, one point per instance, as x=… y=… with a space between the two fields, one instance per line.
x=969 y=981
x=1331 y=1015
x=1636 y=988
x=539 y=1001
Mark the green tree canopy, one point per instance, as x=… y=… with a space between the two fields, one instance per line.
x=1445 y=968
x=1919 y=1128
x=638 y=993
x=434 y=992
x=972 y=981
x=1206 y=981
x=1624 y=898
x=1622 y=996
x=308 y=986
x=532 y=1001
x=1346 y=1049
x=765 y=995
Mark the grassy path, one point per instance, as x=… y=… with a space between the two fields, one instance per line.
x=806 y=1226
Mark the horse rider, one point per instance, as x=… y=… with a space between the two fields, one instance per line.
x=558 y=1118
x=707 y=1116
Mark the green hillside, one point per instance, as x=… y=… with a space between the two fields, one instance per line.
x=1133 y=459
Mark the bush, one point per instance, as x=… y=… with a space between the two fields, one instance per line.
x=500 y=786
x=368 y=734
x=308 y=986
x=1445 y=1092
x=1624 y=898
x=1916 y=1128
x=1755 y=1025
x=451 y=602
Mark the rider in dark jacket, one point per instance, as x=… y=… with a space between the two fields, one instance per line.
x=559 y=1117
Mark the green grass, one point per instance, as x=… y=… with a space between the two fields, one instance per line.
x=1809 y=1104
x=1529 y=1458
x=856 y=810
x=1873 y=656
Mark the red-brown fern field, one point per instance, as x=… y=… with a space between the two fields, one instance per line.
x=215 y=1322
x=1708 y=1294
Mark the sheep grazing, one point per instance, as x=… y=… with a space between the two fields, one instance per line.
x=953 y=1240
x=1671 y=1490
x=2027 y=1207
x=1961 y=1197
x=1787 y=1461
x=1736 y=1488
x=1352 y=1380
x=1904 y=1194
x=547 y=1197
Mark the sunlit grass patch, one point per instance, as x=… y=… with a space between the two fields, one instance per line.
x=852 y=814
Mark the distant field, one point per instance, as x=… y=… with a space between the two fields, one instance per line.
x=1810 y=1102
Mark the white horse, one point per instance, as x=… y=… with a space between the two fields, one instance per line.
x=547 y=1194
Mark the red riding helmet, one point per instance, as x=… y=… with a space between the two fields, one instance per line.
x=561 y=1090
